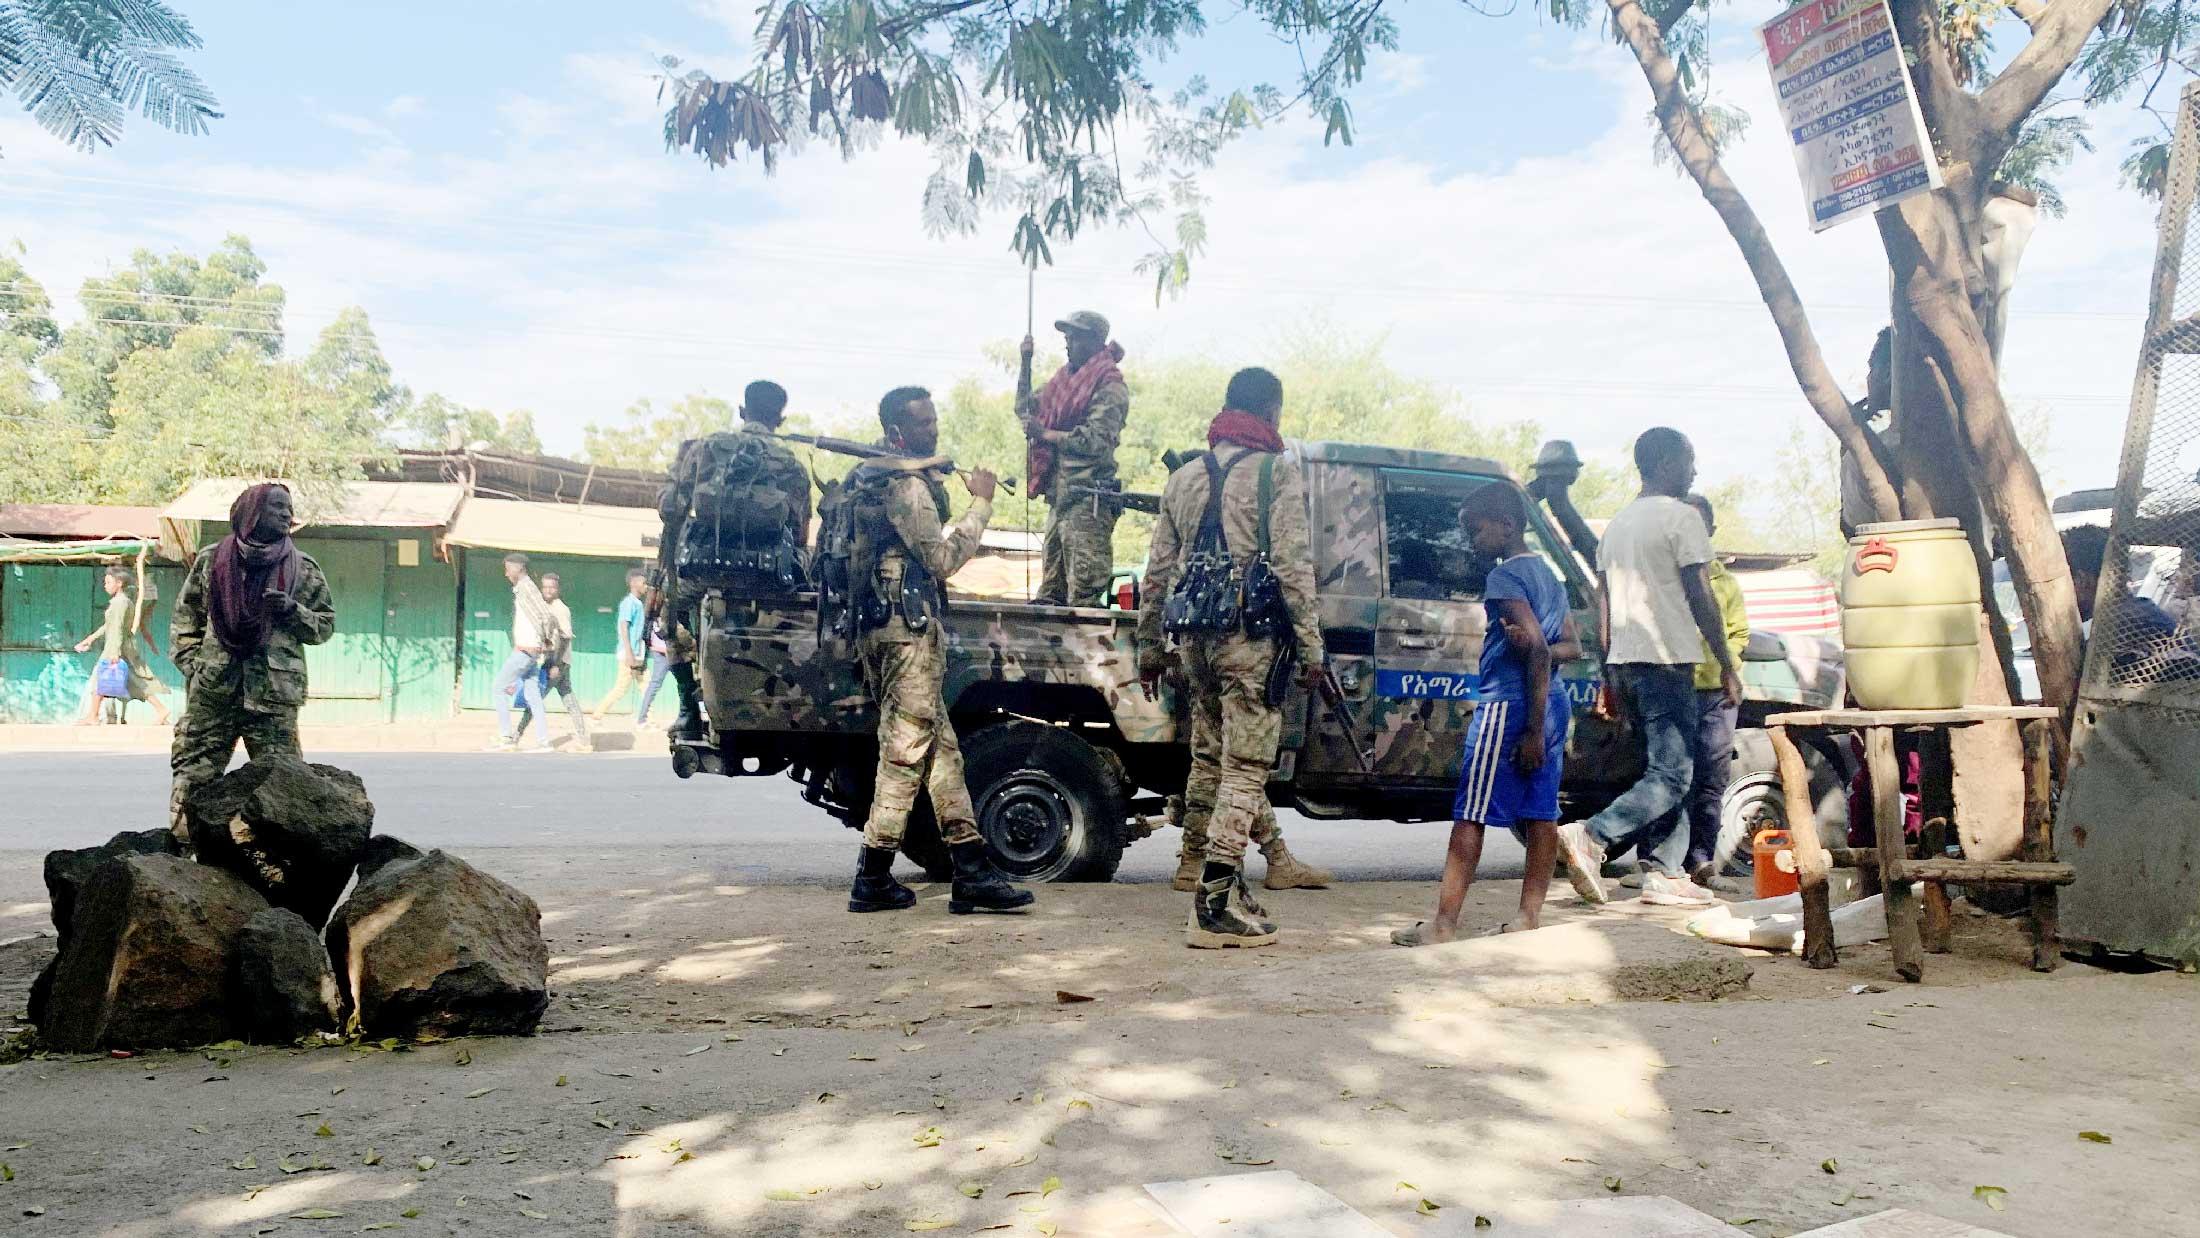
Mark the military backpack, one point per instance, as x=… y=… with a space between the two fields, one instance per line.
x=741 y=520
x=853 y=532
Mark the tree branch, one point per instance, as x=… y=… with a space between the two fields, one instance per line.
x=2057 y=37
x=1685 y=131
x=2029 y=11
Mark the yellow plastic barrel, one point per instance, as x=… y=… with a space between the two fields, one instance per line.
x=1909 y=615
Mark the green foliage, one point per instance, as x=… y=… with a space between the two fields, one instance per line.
x=434 y=423
x=175 y=371
x=2045 y=147
x=1026 y=105
x=80 y=66
x=1335 y=389
x=648 y=439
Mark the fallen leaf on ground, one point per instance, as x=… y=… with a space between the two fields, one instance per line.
x=1050 y=1186
x=1067 y=998
x=465 y=1057
x=929 y=1137
x=1824 y=1061
x=533 y=1215
x=368 y=1229
x=924 y=1224
x=250 y=1161
x=783 y=1195
x=1405 y=1186
x=873 y=1186
x=287 y=1166
x=1614 y=1184
x=1429 y=1208
x=478 y=1093
x=560 y=1083
x=1480 y=1221
x=253 y=1192
x=1830 y=1165
x=606 y=1123
x=781 y=1051
x=973 y=1190
x=372 y=1158
x=1715 y=1111
x=338 y=1091
x=1991 y=1196
x=424 y=1164
x=697 y=1049
x=2094 y=1137
x=315 y=1214
x=861 y=1057
x=1047 y=1228
x=825 y=1097
x=410 y=1214
x=1023 y=1160
x=1079 y=1104
x=324 y=1132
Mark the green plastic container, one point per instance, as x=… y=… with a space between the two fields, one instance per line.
x=1910 y=614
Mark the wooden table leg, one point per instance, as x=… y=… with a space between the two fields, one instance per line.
x=2039 y=842
x=1811 y=860
x=1886 y=775
x=1939 y=917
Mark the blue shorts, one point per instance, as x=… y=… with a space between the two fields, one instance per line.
x=1492 y=790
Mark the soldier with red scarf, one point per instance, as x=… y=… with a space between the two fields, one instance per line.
x=262 y=602
x=1073 y=426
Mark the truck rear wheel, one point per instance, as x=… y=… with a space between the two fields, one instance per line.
x=1049 y=804
x=1755 y=801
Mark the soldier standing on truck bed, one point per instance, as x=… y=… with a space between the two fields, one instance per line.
x=1230 y=575
x=904 y=553
x=1073 y=426
x=737 y=516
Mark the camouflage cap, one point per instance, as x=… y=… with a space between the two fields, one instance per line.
x=1084 y=320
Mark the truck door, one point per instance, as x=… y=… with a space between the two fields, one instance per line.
x=1406 y=641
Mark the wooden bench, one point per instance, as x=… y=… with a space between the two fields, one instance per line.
x=1891 y=858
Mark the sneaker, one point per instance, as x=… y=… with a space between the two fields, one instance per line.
x=1664 y=891
x=502 y=745
x=1580 y=857
x=1629 y=880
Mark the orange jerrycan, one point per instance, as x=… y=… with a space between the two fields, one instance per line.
x=1772 y=854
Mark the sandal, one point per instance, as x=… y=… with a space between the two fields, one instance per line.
x=1415 y=936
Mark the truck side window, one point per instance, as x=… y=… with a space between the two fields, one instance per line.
x=1426 y=551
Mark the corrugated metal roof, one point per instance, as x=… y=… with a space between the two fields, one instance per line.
x=78 y=520
x=358 y=504
x=556 y=528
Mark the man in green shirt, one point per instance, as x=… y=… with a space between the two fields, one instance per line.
x=1715 y=732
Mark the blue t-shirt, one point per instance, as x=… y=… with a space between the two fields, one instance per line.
x=630 y=614
x=1529 y=579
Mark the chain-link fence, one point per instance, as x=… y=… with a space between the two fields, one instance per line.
x=2145 y=640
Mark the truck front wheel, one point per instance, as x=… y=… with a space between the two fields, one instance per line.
x=1755 y=801
x=1049 y=804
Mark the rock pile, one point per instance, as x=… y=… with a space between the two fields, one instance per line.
x=159 y=950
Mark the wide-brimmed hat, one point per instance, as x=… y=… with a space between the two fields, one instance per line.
x=1086 y=321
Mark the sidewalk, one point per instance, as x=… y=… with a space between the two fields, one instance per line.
x=466 y=734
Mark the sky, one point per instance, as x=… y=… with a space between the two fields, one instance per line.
x=488 y=181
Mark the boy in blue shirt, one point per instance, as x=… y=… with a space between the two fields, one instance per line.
x=1516 y=743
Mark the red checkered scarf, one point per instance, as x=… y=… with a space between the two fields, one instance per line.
x=1064 y=403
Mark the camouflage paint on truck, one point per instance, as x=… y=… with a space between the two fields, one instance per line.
x=1401 y=615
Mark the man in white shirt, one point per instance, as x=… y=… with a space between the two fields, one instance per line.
x=557 y=667
x=1658 y=617
x=532 y=621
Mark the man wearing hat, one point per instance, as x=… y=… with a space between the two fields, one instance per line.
x=1073 y=426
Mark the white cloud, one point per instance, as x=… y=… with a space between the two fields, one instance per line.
x=404 y=107
x=581 y=267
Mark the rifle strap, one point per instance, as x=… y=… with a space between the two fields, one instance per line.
x=1267 y=498
x=1210 y=520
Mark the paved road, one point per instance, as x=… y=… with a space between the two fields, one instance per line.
x=554 y=801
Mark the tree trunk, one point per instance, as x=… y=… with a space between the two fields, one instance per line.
x=1924 y=250
x=1685 y=131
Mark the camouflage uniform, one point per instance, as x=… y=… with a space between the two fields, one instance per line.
x=1235 y=731
x=1078 y=554
x=917 y=748
x=256 y=701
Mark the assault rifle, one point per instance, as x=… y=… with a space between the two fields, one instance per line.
x=872 y=451
x=1128 y=500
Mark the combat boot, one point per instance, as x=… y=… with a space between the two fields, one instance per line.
x=978 y=885
x=1289 y=872
x=1188 y=863
x=689 y=725
x=1215 y=923
x=875 y=888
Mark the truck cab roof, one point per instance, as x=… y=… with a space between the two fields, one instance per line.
x=1375 y=456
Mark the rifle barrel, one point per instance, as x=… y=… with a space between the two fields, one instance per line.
x=868 y=451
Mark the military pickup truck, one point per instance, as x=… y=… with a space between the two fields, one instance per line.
x=1069 y=763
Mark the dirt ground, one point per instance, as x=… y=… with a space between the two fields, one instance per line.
x=727 y=1059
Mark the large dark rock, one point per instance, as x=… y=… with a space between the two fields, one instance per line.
x=383 y=850
x=67 y=871
x=281 y=988
x=151 y=947
x=292 y=830
x=42 y=990
x=428 y=943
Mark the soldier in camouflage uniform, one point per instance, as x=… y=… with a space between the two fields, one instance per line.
x=763 y=409
x=262 y=601
x=1074 y=424
x=904 y=653
x=1234 y=728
